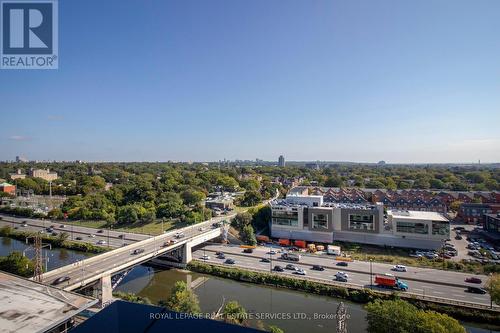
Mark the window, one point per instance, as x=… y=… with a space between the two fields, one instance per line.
x=285 y=222
x=412 y=228
x=320 y=221
x=440 y=228
x=361 y=222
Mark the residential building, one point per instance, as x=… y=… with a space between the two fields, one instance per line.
x=17 y=175
x=281 y=161
x=45 y=174
x=8 y=188
x=313 y=218
x=475 y=212
x=220 y=202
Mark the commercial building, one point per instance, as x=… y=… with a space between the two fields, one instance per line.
x=311 y=218
x=475 y=212
x=8 y=188
x=492 y=227
x=281 y=161
x=45 y=174
x=221 y=202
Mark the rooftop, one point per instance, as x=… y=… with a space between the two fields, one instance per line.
x=28 y=306
x=417 y=215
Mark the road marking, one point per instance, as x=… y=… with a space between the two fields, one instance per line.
x=438 y=292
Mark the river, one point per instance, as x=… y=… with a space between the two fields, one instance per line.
x=269 y=306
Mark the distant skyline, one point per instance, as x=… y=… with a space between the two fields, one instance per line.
x=358 y=81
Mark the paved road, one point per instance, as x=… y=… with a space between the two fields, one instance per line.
x=421 y=281
x=75 y=232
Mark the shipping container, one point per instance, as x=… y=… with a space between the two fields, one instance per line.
x=300 y=243
x=284 y=242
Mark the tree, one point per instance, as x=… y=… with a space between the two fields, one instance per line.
x=234 y=313
x=398 y=316
x=493 y=286
x=17 y=264
x=171 y=205
x=127 y=214
x=248 y=235
x=334 y=181
x=61 y=239
x=251 y=198
x=241 y=220
x=183 y=299
x=192 y=197
x=455 y=205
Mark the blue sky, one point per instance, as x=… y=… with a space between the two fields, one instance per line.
x=401 y=81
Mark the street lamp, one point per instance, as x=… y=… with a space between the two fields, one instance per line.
x=371 y=276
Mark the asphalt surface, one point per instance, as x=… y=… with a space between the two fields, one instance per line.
x=423 y=281
x=75 y=232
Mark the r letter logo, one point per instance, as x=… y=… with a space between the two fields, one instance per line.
x=29 y=34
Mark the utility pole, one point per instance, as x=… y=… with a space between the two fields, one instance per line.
x=38 y=246
x=371 y=276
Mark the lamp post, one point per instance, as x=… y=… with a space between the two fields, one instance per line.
x=371 y=276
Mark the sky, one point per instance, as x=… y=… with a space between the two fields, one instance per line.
x=194 y=80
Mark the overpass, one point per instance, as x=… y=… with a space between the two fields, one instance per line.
x=100 y=268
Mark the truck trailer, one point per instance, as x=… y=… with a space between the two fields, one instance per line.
x=392 y=282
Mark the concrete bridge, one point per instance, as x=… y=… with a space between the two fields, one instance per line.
x=99 y=269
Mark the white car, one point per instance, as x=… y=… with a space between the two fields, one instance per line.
x=91 y=235
x=205 y=257
x=342 y=274
x=101 y=242
x=300 y=271
x=399 y=268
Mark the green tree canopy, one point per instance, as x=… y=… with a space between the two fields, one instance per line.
x=183 y=299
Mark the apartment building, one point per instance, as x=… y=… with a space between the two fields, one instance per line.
x=45 y=174
x=311 y=218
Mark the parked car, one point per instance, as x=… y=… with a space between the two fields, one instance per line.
x=343 y=263
x=399 y=268
x=60 y=280
x=318 y=268
x=476 y=290
x=291 y=267
x=230 y=261
x=278 y=268
x=473 y=280
x=458 y=237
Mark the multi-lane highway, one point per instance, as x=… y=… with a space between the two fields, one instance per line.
x=75 y=233
x=422 y=281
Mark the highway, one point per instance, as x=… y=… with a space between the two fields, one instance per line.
x=115 y=239
x=422 y=281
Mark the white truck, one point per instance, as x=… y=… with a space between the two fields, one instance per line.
x=333 y=250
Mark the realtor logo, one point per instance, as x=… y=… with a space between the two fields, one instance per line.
x=29 y=36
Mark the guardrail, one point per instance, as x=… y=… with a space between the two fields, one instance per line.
x=347 y=285
x=126 y=248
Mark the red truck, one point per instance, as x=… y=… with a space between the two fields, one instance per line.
x=388 y=281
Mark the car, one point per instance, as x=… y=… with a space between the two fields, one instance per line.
x=248 y=250
x=201 y=229
x=318 y=268
x=24 y=224
x=278 y=268
x=399 y=268
x=230 y=261
x=180 y=235
x=78 y=238
x=205 y=257
x=271 y=252
x=341 y=276
x=291 y=267
x=458 y=237
x=219 y=253
x=100 y=231
x=49 y=229
x=473 y=280
x=62 y=226
x=121 y=236
x=476 y=290
x=343 y=263
x=60 y=280
x=265 y=260
x=138 y=251
x=445 y=256
x=221 y=256
x=101 y=242
x=16 y=227
x=300 y=271
x=92 y=236
x=431 y=256
x=458 y=228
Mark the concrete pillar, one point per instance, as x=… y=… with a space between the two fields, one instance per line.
x=106 y=290
x=189 y=281
x=186 y=254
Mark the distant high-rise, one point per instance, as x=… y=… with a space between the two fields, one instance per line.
x=20 y=159
x=281 y=161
